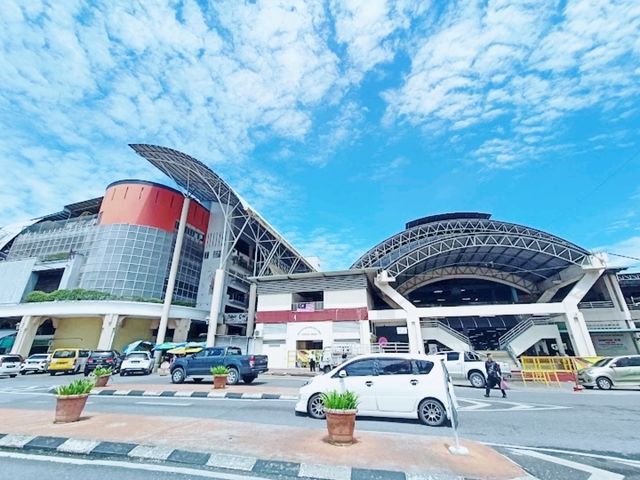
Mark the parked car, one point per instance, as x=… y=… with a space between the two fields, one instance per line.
x=198 y=365
x=68 y=360
x=469 y=366
x=388 y=385
x=338 y=353
x=103 y=358
x=10 y=365
x=137 y=362
x=36 y=363
x=623 y=371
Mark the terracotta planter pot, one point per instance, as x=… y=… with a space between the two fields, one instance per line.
x=219 y=381
x=69 y=408
x=340 y=425
x=102 y=381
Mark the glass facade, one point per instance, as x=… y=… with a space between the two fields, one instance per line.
x=128 y=261
x=48 y=239
x=124 y=260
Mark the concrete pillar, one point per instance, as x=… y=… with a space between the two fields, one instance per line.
x=416 y=343
x=365 y=335
x=216 y=306
x=110 y=325
x=26 y=334
x=582 y=343
x=251 y=313
x=173 y=272
x=181 y=331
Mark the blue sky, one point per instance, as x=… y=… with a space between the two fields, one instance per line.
x=338 y=121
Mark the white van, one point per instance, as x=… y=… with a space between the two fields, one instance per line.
x=388 y=385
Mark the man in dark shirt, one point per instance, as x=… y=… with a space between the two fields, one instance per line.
x=494 y=376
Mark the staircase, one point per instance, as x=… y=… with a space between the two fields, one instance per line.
x=527 y=333
x=435 y=330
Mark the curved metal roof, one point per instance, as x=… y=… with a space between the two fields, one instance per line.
x=471 y=245
x=205 y=185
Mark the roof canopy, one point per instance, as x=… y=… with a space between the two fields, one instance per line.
x=471 y=245
x=275 y=254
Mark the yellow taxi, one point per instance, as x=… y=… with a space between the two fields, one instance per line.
x=67 y=360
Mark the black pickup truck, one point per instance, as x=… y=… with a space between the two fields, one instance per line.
x=198 y=365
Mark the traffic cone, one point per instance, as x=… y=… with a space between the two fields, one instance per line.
x=577 y=387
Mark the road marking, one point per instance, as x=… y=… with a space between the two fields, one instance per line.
x=632 y=463
x=131 y=466
x=173 y=404
x=596 y=473
x=487 y=406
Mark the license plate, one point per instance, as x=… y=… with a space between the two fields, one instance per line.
x=11 y=365
x=135 y=362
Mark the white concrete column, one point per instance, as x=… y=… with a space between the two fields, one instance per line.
x=365 y=335
x=251 y=313
x=173 y=272
x=110 y=325
x=181 y=331
x=26 y=334
x=216 y=306
x=416 y=343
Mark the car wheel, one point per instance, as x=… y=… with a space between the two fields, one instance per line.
x=13 y=376
x=197 y=380
x=315 y=407
x=477 y=380
x=147 y=371
x=177 y=376
x=604 y=383
x=52 y=373
x=86 y=374
x=22 y=372
x=122 y=373
x=431 y=412
x=588 y=387
x=248 y=379
x=233 y=377
x=326 y=369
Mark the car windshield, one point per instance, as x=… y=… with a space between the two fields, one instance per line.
x=137 y=356
x=64 y=354
x=602 y=362
x=101 y=354
x=38 y=357
x=12 y=359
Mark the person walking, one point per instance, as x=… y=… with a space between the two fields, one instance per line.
x=494 y=376
x=312 y=362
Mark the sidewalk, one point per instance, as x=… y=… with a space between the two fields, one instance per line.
x=295 y=448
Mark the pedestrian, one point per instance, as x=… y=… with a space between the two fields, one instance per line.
x=312 y=362
x=494 y=376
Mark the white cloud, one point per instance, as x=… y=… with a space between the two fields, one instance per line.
x=384 y=170
x=82 y=79
x=336 y=249
x=627 y=253
x=526 y=60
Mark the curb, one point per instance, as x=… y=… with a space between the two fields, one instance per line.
x=188 y=394
x=237 y=463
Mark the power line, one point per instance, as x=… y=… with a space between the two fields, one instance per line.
x=623 y=256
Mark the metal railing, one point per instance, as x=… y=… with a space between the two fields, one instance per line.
x=633 y=306
x=598 y=304
x=519 y=329
x=431 y=323
x=395 y=347
x=307 y=306
x=605 y=324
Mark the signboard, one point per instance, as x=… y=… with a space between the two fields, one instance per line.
x=401 y=330
x=452 y=408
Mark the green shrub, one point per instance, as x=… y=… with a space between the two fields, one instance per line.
x=77 y=387
x=103 y=371
x=219 y=370
x=340 y=401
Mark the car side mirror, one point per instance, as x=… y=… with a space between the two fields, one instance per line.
x=613 y=365
x=342 y=374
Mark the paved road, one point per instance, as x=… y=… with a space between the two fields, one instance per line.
x=29 y=466
x=592 y=422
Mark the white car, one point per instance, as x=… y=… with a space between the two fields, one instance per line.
x=10 y=365
x=35 y=363
x=388 y=385
x=137 y=362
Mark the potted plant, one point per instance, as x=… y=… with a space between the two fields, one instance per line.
x=102 y=375
x=71 y=400
x=340 y=409
x=219 y=376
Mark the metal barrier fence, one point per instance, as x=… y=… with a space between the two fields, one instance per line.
x=553 y=369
